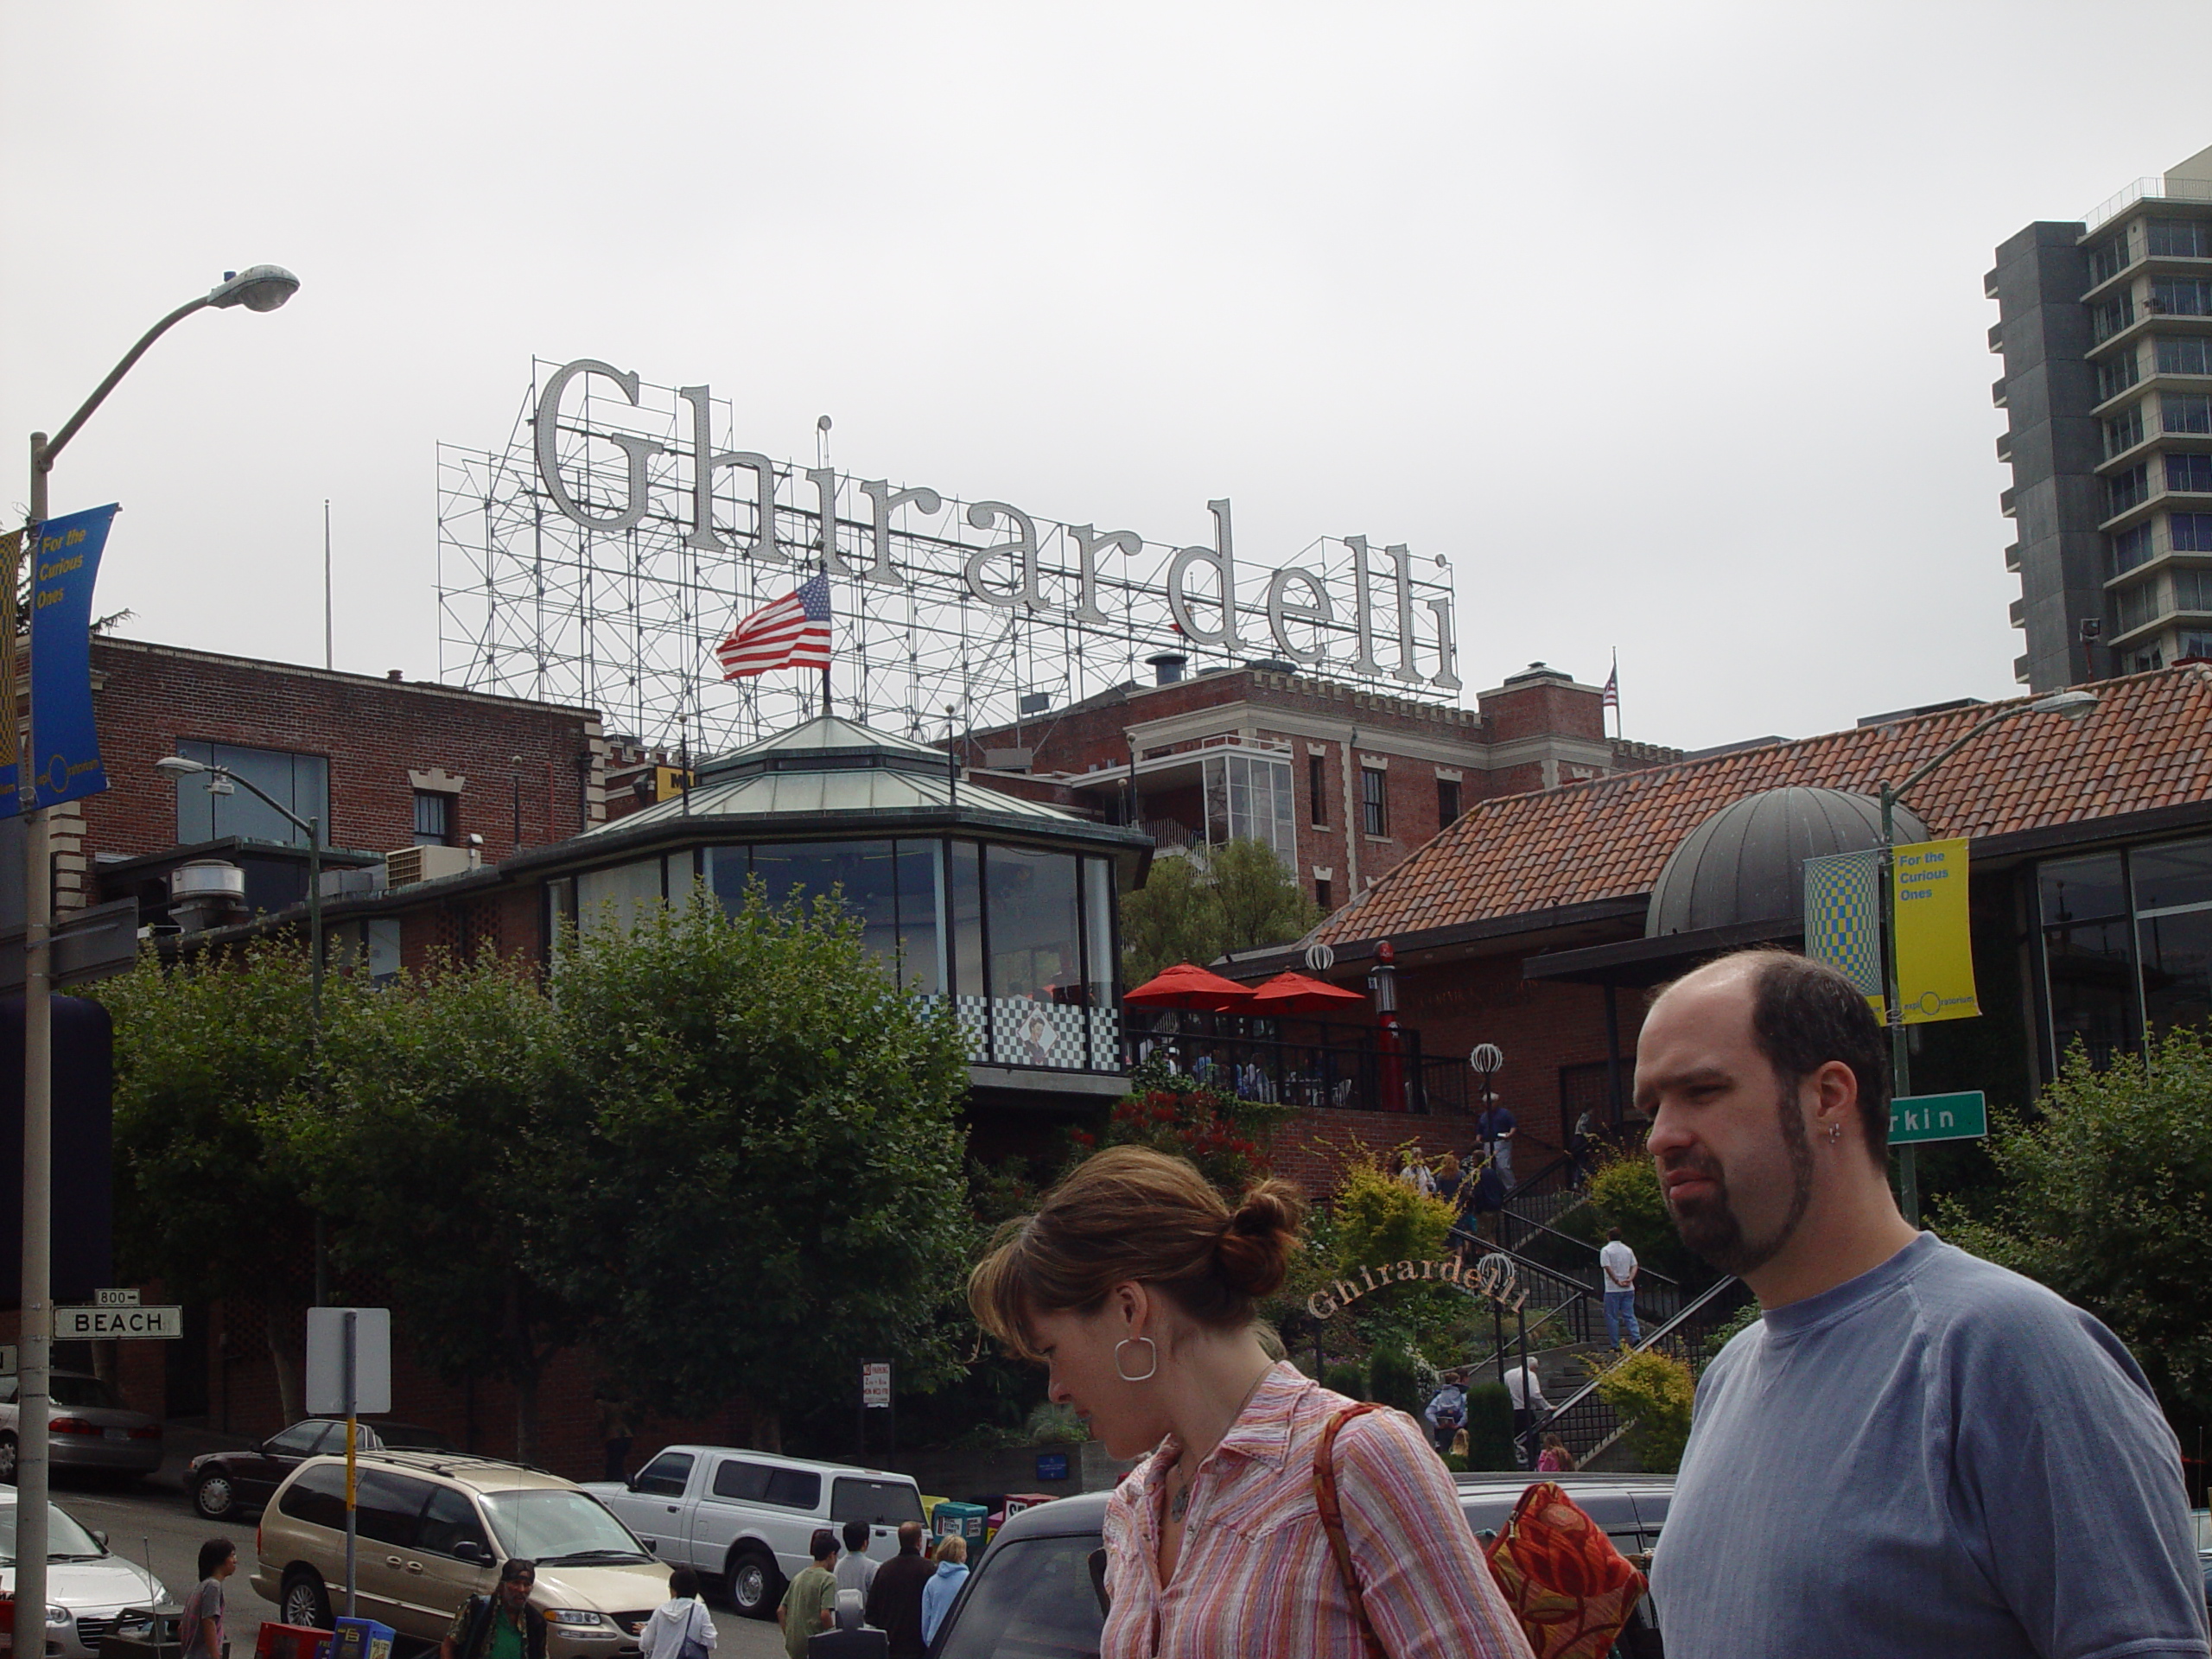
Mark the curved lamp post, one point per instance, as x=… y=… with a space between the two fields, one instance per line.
x=2072 y=705
x=257 y=287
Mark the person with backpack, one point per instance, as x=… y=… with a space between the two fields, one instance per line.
x=1268 y=1516
x=681 y=1627
x=1447 y=1410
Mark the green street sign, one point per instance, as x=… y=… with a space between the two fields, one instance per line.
x=1915 y=1118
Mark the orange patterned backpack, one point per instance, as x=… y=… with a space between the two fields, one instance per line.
x=1570 y=1589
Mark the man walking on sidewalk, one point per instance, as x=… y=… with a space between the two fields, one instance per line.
x=1618 y=1262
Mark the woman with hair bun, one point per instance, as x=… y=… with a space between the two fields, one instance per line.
x=1136 y=1287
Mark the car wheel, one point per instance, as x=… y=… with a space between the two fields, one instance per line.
x=756 y=1586
x=8 y=1460
x=304 y=1601
x=213 y=1496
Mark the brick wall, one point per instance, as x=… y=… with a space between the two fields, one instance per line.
x=509 y=756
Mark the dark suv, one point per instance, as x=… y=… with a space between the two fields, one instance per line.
x=224 y=1484
x=1032 y=1593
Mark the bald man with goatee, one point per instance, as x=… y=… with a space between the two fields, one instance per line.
x=1914 y=1453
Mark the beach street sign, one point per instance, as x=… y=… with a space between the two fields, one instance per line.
x=1915 y=1118
x=79 y=1324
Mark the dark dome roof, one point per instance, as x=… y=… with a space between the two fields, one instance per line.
x=1746 y=862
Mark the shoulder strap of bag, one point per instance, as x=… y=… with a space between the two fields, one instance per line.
x=1333 y=1520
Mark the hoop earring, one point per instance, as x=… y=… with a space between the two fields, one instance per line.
x=1151 y=1348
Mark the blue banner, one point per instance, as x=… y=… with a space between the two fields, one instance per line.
x=65 y=749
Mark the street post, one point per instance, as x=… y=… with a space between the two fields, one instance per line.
x=260 y=288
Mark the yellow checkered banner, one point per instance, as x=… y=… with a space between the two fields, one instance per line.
x=1843 y=918
x=1934 y=945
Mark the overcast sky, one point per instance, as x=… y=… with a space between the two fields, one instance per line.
x=1664 y=322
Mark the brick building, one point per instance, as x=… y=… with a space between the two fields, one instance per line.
x=1343 y=783
x=380 y=763
x=1531 y=922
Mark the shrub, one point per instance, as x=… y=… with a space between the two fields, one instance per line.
x=1653 y=1392
x=1346 y=1377
x=1489 y=1427
x=1393 y=1378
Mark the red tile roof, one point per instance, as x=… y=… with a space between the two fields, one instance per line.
x=2147 y=744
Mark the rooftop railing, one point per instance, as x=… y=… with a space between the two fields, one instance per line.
x=2153 y=189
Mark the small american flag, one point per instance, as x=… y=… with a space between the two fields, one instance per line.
x=793 y=632
x=1613 y=696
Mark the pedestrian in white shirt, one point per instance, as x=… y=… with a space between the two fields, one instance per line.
x=1618 y=1262
x=1526 y=1389
x=681 y=1627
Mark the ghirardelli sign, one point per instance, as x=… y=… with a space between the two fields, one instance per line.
x=1289 y=613
x=599 y=555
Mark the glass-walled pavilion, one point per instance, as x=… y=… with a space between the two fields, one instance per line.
x=1004 y=905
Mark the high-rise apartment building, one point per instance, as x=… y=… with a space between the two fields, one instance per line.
x=2105 y=325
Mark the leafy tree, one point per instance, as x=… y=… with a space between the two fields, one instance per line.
x=1175 y=917
x=441 y=1155
x=773 y=1188
x=2101 y=1194
x=1261 y=900
x=1192 y=908
x=214 y=1063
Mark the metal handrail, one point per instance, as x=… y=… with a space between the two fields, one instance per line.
x=1660 y=1335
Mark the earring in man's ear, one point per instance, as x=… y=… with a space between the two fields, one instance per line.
x=1835 y=1133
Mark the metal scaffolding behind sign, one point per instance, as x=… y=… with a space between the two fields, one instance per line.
x=599 y=557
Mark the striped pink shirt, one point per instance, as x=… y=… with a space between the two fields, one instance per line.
x=1256 y=1578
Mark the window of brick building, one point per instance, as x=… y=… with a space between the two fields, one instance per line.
x=1317 y=791
x=1447 y=801
x=1373 y=802
x=433 y=818
x=1325 y=895
x=301 y=783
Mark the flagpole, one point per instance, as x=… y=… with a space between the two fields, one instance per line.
x=1616 y=693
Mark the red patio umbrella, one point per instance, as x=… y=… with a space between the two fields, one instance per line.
x=1186 y=985
x=1289 y=993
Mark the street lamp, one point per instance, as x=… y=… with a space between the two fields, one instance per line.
x=257 y=287
x=2070 y=705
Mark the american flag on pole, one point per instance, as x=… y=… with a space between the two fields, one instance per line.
x=1613 y=696
x=793 y=632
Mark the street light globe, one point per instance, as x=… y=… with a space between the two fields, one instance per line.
x=175 y=765
x=257 y=287
x=2072 y=704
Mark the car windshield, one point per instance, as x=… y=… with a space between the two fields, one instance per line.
x=65 y=1539
x=554 y=1528
x=1032 y=1599
x=88 y=1392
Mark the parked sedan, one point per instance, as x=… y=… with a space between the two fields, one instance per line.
x=1034 y=1591
x=87 y=1584
x=89 y=1430
x=223 y=1484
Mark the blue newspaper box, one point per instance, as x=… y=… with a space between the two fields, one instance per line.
x=960 y=1521
x=360 y=1638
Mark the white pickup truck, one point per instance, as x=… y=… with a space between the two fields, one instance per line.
x=747 y=1518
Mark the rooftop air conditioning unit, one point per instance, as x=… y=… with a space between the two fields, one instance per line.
x=207 y=893
x=409 y=865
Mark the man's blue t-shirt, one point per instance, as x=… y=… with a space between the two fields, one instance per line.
x=1939 y=1459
